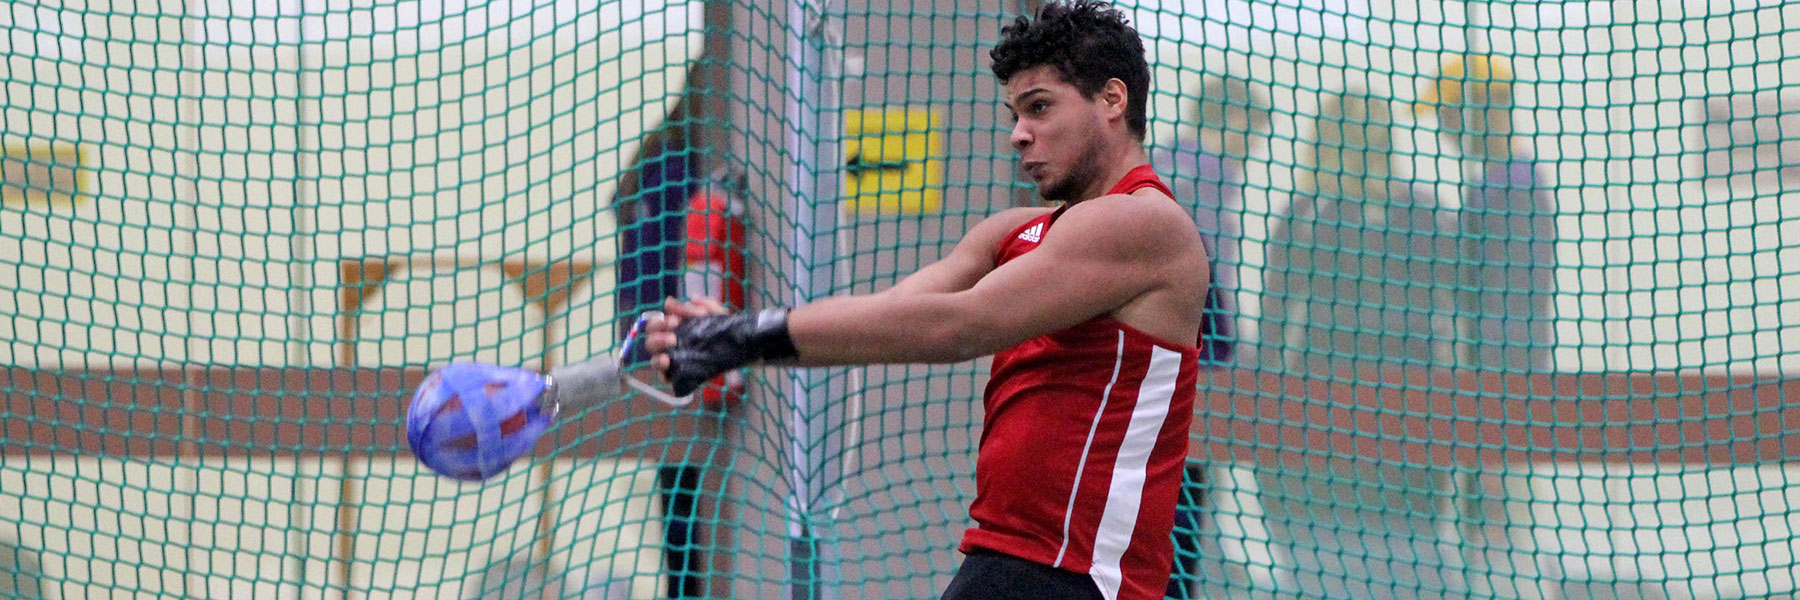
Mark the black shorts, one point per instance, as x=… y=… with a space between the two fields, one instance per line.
x=987 y=575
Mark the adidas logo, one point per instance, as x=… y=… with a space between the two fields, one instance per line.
x=1033 y=235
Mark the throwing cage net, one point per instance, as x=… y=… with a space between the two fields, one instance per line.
x=1510 y=286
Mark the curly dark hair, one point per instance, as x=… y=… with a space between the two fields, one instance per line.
x=1089 y=42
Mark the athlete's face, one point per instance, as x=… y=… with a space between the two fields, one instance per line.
x=1057 y=132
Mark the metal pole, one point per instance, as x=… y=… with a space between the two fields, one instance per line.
x=1466 y=487
x=814 y=180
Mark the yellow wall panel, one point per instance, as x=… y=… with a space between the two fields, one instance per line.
x=894 y=160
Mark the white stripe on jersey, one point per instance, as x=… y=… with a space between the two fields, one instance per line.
x=1081 y=465
x=1130 y=470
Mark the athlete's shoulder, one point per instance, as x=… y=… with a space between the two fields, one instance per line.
x=1145 y=210
x=1129 y=224
x=1014 y=217
x=999 y=224
x=986 y=236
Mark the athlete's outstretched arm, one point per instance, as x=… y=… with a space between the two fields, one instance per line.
x=1099 y=256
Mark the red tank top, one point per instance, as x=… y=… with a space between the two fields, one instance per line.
x=1084 y=437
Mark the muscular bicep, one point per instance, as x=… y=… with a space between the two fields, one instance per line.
x=1092 y=263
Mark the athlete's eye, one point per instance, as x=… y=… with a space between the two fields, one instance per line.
x=1038 y=107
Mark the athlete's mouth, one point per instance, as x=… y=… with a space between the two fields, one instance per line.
x=1033 y=169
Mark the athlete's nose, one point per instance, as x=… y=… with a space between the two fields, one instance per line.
x=1020 y=137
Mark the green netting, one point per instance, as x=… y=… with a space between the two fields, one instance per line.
x=1511 y=288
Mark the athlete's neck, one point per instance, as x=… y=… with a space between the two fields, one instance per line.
x=1120 y=162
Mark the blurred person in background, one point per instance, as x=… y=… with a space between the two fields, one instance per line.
x=1360 y=267
x=1507 y=220
x=1359 y=283
x=652 y=203
x=1507 y=260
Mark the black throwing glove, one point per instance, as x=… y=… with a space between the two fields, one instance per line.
x=710 y=345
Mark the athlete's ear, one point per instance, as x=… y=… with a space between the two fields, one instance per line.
x=1114 y=97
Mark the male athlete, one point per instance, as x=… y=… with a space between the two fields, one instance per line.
x=1091 y=309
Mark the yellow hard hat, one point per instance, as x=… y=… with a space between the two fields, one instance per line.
x=1490 y=72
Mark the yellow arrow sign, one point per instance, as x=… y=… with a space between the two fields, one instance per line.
x=894 y=159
